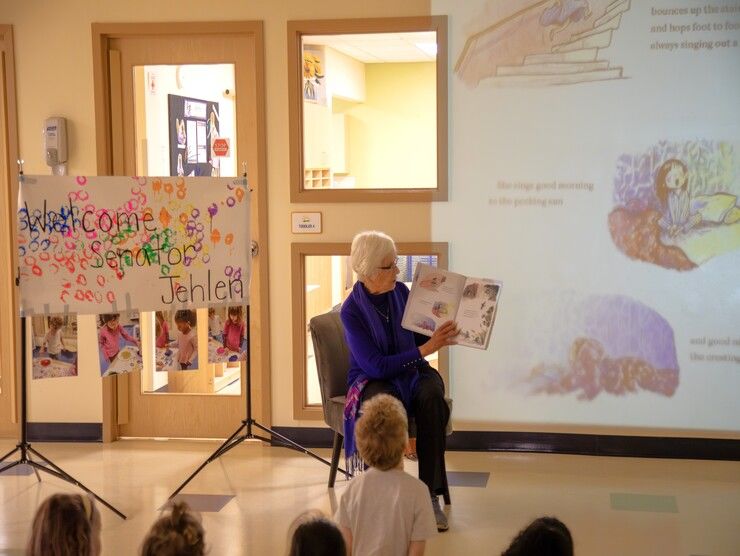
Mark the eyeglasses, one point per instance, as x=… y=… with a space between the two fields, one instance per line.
x=394 y=264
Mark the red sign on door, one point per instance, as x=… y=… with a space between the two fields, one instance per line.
x=220 y=146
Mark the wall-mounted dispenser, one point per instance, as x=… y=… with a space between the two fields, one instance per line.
x=55 y=144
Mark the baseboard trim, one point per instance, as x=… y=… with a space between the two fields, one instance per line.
x=310 y=437
x=65 y=432
x=557 y=443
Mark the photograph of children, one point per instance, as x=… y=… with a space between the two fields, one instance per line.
x=119 y=343
x=165 y=356
x=216 y=319
x=187 y=340
x=54 y=346
x=230 y=345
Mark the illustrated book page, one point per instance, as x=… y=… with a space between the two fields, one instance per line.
x=439 y=295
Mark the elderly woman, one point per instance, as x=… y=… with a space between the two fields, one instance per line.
x=386 y=358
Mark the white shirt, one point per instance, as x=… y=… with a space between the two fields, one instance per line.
x=215 y=326
x=386 y=510
x=54 y=341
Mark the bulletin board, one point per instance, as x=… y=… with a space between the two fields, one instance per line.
x=193 y=123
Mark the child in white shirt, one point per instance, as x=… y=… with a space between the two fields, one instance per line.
x=385 y=511
x=53 y=339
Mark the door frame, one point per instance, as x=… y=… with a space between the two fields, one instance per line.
x=10 y=341
x=106 y=127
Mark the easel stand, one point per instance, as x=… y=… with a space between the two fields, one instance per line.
x=238 y=437
x=25 y=448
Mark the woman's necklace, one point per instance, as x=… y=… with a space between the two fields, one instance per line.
x=386 y=316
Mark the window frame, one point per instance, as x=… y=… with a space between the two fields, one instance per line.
x=296 y=31
x=302 y=410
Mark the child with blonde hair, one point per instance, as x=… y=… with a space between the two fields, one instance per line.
x=215 y=327
x=53 y=342
x=178 y=532
x=187 y=339
x=385 y=510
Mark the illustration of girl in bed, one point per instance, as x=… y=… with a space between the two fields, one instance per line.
x=681 y=211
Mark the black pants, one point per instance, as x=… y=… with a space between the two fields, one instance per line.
x=431 y=414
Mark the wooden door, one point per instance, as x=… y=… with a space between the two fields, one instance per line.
x=9 y=371
x=120 y=51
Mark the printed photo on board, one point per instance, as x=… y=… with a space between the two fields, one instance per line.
x=227 y=334
x=119 y=344
x=54 y=346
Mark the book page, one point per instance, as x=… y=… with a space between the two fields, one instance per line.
x=477 y=311
x=434 y=299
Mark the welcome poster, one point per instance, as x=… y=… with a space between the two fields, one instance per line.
x=110 y=244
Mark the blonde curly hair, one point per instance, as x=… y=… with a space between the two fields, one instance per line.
x=381 y=432
x=178 y=532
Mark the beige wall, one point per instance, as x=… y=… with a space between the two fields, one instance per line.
x=392 y=135
x=54 y=73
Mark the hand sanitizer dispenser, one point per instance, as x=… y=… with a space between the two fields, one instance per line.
x=55 y=142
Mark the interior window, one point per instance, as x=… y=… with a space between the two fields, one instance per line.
x=372 y=112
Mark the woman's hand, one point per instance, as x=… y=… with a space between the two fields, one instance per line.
x=444 y=336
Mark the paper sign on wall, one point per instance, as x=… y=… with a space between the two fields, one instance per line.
x=108 y=244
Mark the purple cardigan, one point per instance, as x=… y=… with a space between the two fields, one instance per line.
x=370 y=357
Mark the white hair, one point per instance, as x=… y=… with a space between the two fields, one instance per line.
x=368 y=251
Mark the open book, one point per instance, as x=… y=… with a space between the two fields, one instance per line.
x=439 y=295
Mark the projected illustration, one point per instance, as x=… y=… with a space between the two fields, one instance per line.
x=533 y=44
x=677 y=203
x=610 y=345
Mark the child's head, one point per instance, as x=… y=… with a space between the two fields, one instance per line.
x=672 y=175
x=314 y=534
x=110 y=320
x=185 y=319
x=545 y=536
x=65 y=524
x=381 y=432
x=56 y=322
x=211 y=312
x=177 y=533
x=235 y=313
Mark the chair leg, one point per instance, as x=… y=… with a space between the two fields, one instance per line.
x=446 y=493
x=335 y=453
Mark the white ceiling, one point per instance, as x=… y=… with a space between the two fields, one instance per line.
x=379 y=47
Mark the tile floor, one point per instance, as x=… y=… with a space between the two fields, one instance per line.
x=613 y=506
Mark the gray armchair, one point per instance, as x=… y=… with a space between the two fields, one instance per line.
x=332 y=362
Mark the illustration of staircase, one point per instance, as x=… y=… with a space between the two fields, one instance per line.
x=574 y=61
